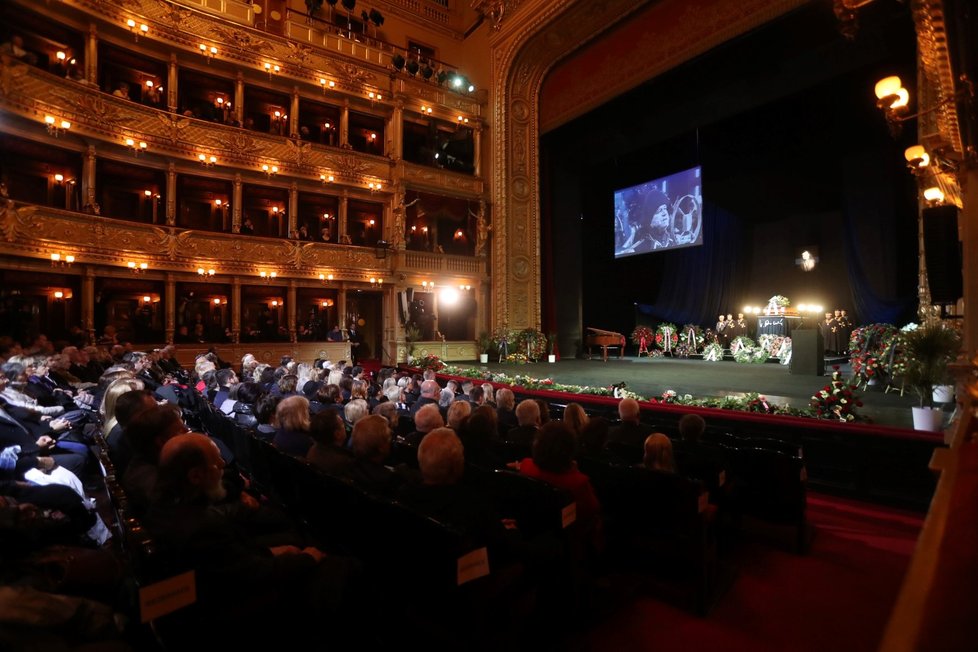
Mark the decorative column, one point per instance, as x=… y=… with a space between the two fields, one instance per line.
x=293 y=207
x=477 y=148
x=239 y=97
x=88 y=303
x=88 y=176
x=172 y=98
x=91 y=54
x=344 y=125
x=171 y=194
x=237 y=194
x=395 y=128
x=341 y=306
x=170 y=305
x=341 y=218
x=290 y=310
x=968 y=232
x=294 y=113
x=481 y=300
x=236 y=309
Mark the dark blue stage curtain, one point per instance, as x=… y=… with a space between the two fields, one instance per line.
x=702 y=281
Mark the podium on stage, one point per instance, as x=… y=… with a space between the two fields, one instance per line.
x=807 y=352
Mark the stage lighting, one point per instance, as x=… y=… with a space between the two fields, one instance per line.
x=449 y=296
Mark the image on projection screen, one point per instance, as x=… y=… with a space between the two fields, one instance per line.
x=666 y=213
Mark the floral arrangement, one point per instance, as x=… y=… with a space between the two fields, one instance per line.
x=894 y=359
x=692 y=336
x=837 y=400
x=642 y=335
x=432 y=362
x=516 y=358
x=872 y=338
x=771 y=343
x=741 y=341
x=531 y=343
x=758 y=403
x=682 y=350
x=669 y=396
x=713 y=352
x=865 y=367
x=709 y=336
x=503 y=337
x=750 y=355
x=666 y=336
x=784 y=353
x=779 y=300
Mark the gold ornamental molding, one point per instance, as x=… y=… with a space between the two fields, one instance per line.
x=442 y=181
x=34 y=231
x=937 y=70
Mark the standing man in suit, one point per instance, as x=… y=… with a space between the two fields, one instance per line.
x=353 y=335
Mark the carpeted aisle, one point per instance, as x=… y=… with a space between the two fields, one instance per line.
x=837 y=597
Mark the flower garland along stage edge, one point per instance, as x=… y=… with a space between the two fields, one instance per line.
x=749 y=402
x=666 y=336
x=713 y=352
x=428 y=362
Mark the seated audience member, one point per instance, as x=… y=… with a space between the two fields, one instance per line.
x=146 y=433
x=444 y=496
x=430 y=392
x=235 y=576
x=388 y=410
x=327 y=398
x=458 y=412
x=371 y=447
x=243 y=412
x=425 y=420
x=477 y=396
x=288 y=385
x=630 y=434
x=127 y=406
x=553 y=462
x=700 y=462
x=445 y=398
x=489 y=394
x=593 y=437
x=226 y=379
x=329 y=451
x=576 y=418
x=36 y=516
x=354 y=411
x=544 y=411
x=265 y=410
x=528 y=417
x=477 y=435
x=505 y=413
x=658 y=453
x=292 y=417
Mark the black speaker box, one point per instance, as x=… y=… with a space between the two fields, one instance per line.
x=942 y=249
x=807 y=352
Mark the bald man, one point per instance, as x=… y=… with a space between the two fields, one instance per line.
x=630 y=434
x=430 y=391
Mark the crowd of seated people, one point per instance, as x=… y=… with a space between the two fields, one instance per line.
x=393 y=433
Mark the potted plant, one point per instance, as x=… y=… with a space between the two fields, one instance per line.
x=551 y=346
x=929 y=349
x=483 y=343
x=412 y=333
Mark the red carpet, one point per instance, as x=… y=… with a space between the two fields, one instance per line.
x=837 y=597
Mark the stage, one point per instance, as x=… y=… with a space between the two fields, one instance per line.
x=650 y=377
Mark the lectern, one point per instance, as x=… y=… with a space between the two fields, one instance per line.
x=807 y=352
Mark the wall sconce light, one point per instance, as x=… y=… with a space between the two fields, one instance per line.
x=136 y=146
x=137 y=28
x=373 y=136
x=59 y=296
x=207 y=161
x=269 y=170
x=147 y=299
x=278 y=212
x=464 y=287
x=371 y=223
x=55 y=126
x=277 y=304
x=934 y=195
x=208 y=51
x=426 y=109
x=327 y=303
x=894 y=100
x=272 y=68
x=325 y=217
x=326 y=178
x=374 y=96
x=376 y=281
x=217 y=301
x=428 y=284
x=459 y=234
x=206 y=272
x=463 y=120
x=61 y=56
x=374 y=186
x=137 y=268
x=59 y=179
x=326 y=83
x=268 y=277
x=59 y=260
x=325 y=278
x=917 y=157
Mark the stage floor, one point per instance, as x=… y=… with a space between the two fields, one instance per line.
x=653 y=376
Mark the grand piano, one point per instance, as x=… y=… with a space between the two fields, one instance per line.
x=606 y=340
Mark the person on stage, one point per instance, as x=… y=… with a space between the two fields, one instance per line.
x=353 y=336
x=721 y=329
x=828 y=328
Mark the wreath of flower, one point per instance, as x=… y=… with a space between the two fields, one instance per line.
x=692 y=336
x=642 y=333
x=503 y=337
x=661 y=335
x=516 y=358
x=531 y=343
x=713 y=352
x=894 y=357
x=749 y=355
x=784 y=353
x=741 y=341
x=872 y=338
x=772 y=343
x=837 y=400
x=432 y=362
x=779 y=300
x=682 y=350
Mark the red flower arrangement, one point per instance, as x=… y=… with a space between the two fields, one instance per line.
x=837 y=400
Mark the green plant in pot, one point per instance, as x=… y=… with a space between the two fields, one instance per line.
x=928 y=351
x=483 y=343
x=412 y=333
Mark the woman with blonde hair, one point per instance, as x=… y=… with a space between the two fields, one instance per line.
x=458 y=412
x=658 y=453
x=292 y=417
x=576 y=418
x=112 y=394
